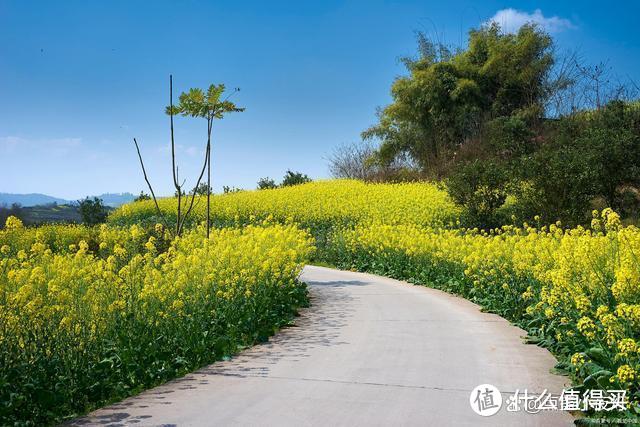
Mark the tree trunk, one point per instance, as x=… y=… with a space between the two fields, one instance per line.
x=208 y=190
x=210 y=124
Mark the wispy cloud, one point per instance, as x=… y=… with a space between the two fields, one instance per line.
x=8 y=143
x=510 y=20
x=51 y=145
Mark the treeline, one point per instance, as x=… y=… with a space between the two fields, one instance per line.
x=89 y=211
x=6 y=211
x=290 y=178
x=515 y=130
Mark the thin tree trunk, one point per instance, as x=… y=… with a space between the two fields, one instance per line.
x=193 y=195
x=174 y=170
x=210 y=124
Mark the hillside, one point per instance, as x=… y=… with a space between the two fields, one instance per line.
x=31 y=199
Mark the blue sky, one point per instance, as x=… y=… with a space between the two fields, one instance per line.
x=79 y=80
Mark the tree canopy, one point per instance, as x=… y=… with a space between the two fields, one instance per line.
x=515 y=130
x=448 y=97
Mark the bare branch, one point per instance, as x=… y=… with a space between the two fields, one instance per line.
x=153 y=194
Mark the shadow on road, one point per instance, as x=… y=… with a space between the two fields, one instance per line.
x=318 y=326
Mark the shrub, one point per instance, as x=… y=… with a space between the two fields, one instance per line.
x=481 y=187
x=142 y=196
x=586 y=156
x=266 y=184
x=92 y=211
x=294 y=178
x=230 y=190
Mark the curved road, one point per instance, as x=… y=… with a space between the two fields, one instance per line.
x=369 y=351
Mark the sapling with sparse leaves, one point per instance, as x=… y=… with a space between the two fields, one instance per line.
x=208 y=105
x=194 y=103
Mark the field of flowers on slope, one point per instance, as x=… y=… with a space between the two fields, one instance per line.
x=576 y=291
x=91 y=315
x=317 y=206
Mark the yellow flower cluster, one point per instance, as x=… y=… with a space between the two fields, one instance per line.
x=626 y=374
x=13 y=223
x=110 y=294
x=578 y=359
x=576 y=289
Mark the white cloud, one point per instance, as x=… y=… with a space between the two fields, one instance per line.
x=53 y=145
x=510 y=20
x=10 y=142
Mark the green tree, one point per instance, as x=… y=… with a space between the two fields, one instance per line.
x=203 y=189
x=92 y=211
x=294 y=178
x=589 y=155
x=142 y=196
x=209 y=105
x=194 y=103
x=266 y=184
x=447 y=98
x=500 y=120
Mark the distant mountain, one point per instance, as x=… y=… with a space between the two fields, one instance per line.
x=32 y=199
x=35 y=199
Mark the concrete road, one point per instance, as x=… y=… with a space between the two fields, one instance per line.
x=369 y=351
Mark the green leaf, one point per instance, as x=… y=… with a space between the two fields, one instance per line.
x=598 y=355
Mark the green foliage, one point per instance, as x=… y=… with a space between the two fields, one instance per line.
x=290 y=178
x=266 y=184
x=587 y=156
x=209 y=105
x=481 y=187
x=230 y=190
x=294 y=178
x=447 y=98
x=509 y=137
x=576 y=163
x=92 y=211
x=142 y=196
x=203 y=189
x=477 y=117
